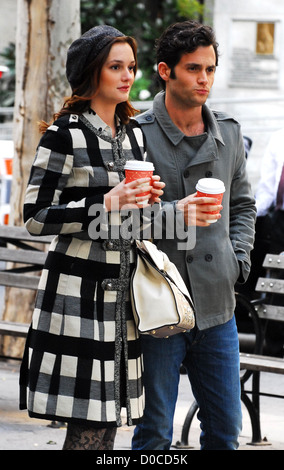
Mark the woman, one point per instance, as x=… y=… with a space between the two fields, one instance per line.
x=82 y=360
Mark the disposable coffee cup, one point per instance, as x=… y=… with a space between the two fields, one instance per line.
x=136 y=169
x=211 y=187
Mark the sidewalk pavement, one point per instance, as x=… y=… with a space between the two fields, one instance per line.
x=19 y=432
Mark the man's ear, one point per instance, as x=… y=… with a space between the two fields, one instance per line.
x=164 y=71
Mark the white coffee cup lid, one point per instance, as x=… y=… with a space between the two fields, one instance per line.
x=139 y=165
x=210 y=185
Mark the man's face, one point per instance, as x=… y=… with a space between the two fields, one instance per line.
x=191 y=80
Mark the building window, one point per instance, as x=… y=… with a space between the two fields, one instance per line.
x=265 y=38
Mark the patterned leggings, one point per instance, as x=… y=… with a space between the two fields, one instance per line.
x=84 y=437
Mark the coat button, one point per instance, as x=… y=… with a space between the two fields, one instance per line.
x=208 y=258
x=208 y=174
x=110 y=245
x=186 y=173
x=189 y=259
x=148 y=117
x=108 y=286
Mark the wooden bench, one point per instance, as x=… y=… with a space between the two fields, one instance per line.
x=13 y=329
x=268 y=286
x=261 y=363
x=21 y=254
x=260 y=311
x=266 y=310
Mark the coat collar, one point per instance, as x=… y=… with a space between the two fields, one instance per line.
x=172 y=131
x=99 y=124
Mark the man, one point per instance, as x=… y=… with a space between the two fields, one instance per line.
x=270 y=210
x=186 y=141
x=270 y=190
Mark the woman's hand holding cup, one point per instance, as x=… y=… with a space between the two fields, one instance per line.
x=134 y=171
x=139 y=188
x=128 y=195
x=156 y=189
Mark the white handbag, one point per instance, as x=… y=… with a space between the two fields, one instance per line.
x=161 y=303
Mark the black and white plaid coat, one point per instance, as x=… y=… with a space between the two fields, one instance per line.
x=82 y=357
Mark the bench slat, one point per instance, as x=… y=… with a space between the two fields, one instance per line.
x=274 y=286
x=27 y=255
x=261 y=363
x=21 y=233
x=273 y=261
x=19 y=280
x=14 y=329
x=23 y=256
x=270 y=312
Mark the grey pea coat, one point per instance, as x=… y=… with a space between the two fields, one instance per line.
x=220 y=255
x=82 y=359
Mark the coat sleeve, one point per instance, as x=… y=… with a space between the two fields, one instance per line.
x=44 y=213
x=242 y=213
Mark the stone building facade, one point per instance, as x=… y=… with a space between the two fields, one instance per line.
x=249 y=80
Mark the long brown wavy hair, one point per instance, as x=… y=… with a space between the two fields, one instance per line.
x=81 y=97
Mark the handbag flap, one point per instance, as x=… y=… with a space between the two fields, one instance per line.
x=157 y=294
x=150 y=310
x=163 y=263
x=156 y=255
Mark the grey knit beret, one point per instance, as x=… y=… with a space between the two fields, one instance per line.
x=85 y=49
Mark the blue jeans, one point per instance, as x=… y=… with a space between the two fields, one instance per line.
x=211 y=358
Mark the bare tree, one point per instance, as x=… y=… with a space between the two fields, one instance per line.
x=45 y=29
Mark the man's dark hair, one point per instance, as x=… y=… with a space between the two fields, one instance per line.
x=181 y=38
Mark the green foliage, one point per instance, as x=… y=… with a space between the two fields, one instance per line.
x=7 y=82
x=190 y=8
x=140 y=88
x=8 y=55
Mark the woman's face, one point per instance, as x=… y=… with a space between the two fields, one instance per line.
x=117 y=75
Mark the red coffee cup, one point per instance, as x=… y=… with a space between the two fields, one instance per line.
x=136 y=169
x=211 y=187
